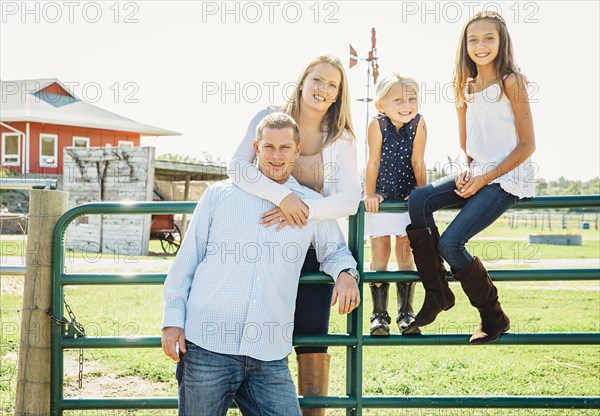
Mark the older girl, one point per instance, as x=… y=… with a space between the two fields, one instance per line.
x=496 y=134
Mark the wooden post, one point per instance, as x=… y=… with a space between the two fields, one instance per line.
x=33 y=383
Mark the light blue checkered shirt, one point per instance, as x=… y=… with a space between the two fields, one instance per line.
x=233 y=284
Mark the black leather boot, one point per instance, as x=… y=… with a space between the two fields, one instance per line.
x=406 y=314
x=380 y=320
x=482 y=294
x=430 y=265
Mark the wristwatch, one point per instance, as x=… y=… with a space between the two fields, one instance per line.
x=352 y=272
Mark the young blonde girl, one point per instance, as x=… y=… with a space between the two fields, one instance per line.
x=496 y=134
x=396 y=138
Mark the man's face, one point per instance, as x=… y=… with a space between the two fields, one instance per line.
x=277 y=153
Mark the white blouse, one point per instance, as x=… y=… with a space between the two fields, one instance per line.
x=492 y=136
x=341 y=186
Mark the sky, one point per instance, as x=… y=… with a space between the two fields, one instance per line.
x=205 y=68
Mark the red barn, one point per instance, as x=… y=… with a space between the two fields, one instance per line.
x=39 y=117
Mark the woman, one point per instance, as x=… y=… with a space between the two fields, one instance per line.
x=320 y=104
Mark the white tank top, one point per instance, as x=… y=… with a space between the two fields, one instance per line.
x=491 y=136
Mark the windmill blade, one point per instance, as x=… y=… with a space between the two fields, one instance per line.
x=353 y=56
x=373 y=39
x=375 y=71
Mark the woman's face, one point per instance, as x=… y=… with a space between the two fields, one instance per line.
x=321 y=87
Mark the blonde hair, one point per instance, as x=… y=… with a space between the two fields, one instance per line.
x=465 y=68
x=386 y=83
x=338 y=118
x=278 y=121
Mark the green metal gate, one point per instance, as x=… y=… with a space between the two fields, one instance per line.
x=65 y=337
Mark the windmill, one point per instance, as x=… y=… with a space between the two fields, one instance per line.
x=372 y=70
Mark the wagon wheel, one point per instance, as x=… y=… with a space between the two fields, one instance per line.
x=171 y=241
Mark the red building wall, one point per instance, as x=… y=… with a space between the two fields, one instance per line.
x=98 y=138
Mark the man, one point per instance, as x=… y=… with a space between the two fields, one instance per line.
x=230 y=294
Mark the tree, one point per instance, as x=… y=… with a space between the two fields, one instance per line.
x=541 y=187
x=175 y=157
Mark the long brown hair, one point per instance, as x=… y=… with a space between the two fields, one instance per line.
x=338 y=118
x=465 y=68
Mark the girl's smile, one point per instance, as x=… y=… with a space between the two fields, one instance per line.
x=400 y=104
x=483 y=42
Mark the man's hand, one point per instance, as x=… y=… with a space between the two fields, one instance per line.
x=346 y=289
x=172 y=335
x=274 y=216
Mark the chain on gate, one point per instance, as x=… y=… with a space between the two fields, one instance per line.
x=74 y=330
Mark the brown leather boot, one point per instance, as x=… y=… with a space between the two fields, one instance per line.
x=482 y=294
x=313 y=378
x=380 y=319
x=406 y=314
x=430 y=265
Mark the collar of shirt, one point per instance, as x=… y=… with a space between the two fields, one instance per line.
x=294 y=186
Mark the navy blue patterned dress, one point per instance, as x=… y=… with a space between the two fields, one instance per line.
x=396 y=178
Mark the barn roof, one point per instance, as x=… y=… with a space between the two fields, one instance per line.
x=50 y=101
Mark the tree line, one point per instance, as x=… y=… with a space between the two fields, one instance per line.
x=563 y=186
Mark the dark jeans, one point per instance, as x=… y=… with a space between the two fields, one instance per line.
x=209 y=382
x=477 y=213
x=313 y=306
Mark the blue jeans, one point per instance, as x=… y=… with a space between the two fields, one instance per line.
x=477 y=213
x=209 y=382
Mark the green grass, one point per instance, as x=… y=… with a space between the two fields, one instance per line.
x=464 y=370
x=512 y=243
x=516 y=249
x=501 y=227
x=18 y=248
x=520 y=252
x=454 y=370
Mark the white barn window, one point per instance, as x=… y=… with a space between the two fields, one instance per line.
x=81 y=141
x=127 y=144
x=11 y=149
x=48 y=150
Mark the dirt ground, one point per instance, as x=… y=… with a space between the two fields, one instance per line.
x=98 y=382
x=11 y=285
